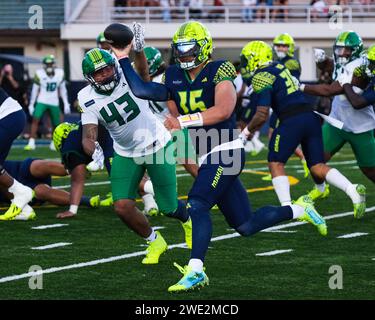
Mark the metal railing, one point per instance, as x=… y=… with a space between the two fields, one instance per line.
x=228 y=14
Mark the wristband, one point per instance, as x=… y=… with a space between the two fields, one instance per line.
x=73 y=208
x=302 y=87
x=191 y=120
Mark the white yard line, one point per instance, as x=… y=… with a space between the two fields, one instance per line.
x=273 y=253
x=53 y=245
x=352 y=235
x=49 y=226
x=280 y=231
x=140 y=253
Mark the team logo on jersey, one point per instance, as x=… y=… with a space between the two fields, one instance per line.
x=177 y=81
x=89 y=103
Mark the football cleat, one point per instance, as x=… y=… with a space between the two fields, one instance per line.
x=107 y=202
x=188 y=228
x=268 y=177
x=258 y=146
x=190 y=280
x=306 y=170
x=29 y=147
x=152 y=212
x=26 y=214
x=95 y=201
x=155 y=249
x=311 y=215
x=360 y=208
x=315 y=193
x=12 y=212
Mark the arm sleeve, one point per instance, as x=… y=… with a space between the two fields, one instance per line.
x=141 y=89
x=34 y=94
x=64 y=93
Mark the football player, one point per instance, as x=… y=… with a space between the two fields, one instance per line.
x=202 y=96
x=36 y=174
x=276 y=89
x=359 y=124
x=138 y=139
x=102 y=43
x=48 y=85
x=12 y=122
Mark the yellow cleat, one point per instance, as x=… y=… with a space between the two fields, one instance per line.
x=11 y=213
x=190 y=280
x=95 y=201
x=305 y=169
x=155 y=249
x=188 y=228
x=27 y=214
x=107 y=202
x=360 y=208
x=315 y=194
x=268 y=177
x=29 y=147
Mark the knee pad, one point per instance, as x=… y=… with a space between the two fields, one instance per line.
x=245 y=229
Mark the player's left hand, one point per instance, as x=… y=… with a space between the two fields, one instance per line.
x=139 y=37
x=65 y=215
x=122 y=52
x=172 y=123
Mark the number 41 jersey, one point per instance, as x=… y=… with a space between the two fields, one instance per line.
x=135 y=130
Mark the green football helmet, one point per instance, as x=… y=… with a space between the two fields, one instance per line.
x=154 y=60
x=96 y=60
x=192 y=39
x=61 y=132
x=347 y=47
x=284 y=39
x=255 y=55
x=49 y=64
x=101 y=42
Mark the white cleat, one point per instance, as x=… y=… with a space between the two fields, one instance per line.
x=26 y=214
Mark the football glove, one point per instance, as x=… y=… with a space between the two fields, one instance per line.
x=98 y=156
x=66 y=109
x=139 y=37
x=319 y=55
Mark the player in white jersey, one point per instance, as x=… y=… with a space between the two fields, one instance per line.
x=12 y=122
x=185 y=151
x=358 y=123
x=48 y=85
x=141 y=143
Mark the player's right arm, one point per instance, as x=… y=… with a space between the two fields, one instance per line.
x=359 y=101
x=324 y=90
x=34 y=93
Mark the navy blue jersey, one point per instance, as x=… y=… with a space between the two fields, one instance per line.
x=369 y=93
x=292 y=65
x=197 y=95
x=275 y=88
x=72 y=153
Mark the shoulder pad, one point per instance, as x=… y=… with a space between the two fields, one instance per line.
x=226 y=71
x=292 y=64
x=262 y=80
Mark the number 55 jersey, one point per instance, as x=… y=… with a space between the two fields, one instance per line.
x=135 y=130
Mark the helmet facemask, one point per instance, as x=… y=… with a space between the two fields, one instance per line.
x=281 y=50
x=185 y=49
x=104 y=79
x=343 y=54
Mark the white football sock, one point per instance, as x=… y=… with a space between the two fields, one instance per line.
x=148 y=187
x=297 y=210
x=149 y=202
x=338 y=180
x=321 y=187
x=31 y=142
x=152 y=236
x=282 y=189
x=22 y=194
x=196 y=265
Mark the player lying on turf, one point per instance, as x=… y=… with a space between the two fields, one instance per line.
x=359 y=124
x=12 y=122
x=276 y=89
x=140 y=142
x=68 y=141
x=37 y=175
x=204 y=97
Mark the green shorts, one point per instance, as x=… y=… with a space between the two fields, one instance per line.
x=126 y=173
x=54 y=111
x=363 y=144
x=185 y=152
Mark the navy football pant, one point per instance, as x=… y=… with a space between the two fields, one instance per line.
x=212 y=186
x=10 y=128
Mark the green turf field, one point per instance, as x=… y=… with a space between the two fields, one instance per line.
x=103 y=260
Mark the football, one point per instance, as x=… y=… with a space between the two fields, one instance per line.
x=118 y=35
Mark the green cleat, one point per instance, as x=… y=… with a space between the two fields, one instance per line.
x=315 y=194
x=155 y=249
x=12 y=212
x=95 y=201
x=360 y=208
x=306 y=170
x=268 y=177
x=107 y=202
x=311 y=215
x=188 y=228
x=190 y=280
